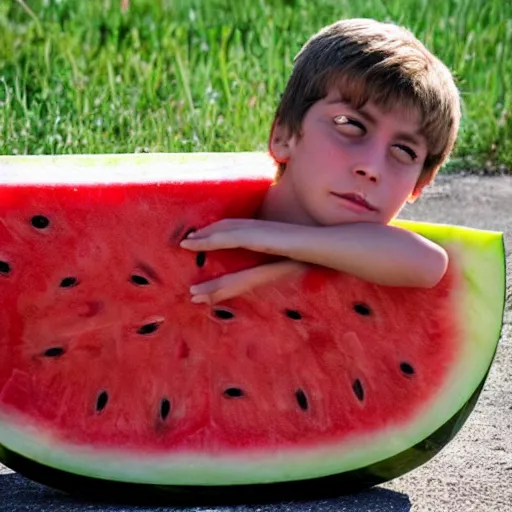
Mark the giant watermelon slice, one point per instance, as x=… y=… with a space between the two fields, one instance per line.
x=113 y=384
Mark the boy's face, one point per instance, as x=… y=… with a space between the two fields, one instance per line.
x=375 y=156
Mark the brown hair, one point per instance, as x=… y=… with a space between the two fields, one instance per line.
x=367 y=59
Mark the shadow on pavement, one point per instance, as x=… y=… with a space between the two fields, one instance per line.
x=20 y=494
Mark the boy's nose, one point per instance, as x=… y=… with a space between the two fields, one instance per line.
x=367 y=172
x=369 y=161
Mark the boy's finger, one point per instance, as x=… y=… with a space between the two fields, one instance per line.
x=224 y=294
x=214 y=285
x=217 y=290
x=211 y=242
x=193 y=245
x=206 y=287
x=201 y=299
x=214 y=298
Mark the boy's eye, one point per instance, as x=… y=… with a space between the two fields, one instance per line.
x=352 y=126
x=405 y=149
x=408 y=150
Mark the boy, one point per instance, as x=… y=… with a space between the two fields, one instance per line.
x=367 y=118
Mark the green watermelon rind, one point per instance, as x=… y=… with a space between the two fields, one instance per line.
x=193 y=495
x=480 y=255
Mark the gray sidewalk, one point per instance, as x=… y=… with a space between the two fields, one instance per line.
x=473 y=473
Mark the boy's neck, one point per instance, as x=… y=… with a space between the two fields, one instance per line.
x=280 y=205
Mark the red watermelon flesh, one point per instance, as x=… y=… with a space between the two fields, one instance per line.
x=101 y=348
x=101 y=344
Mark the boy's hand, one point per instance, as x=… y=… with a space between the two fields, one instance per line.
x=252 y=234
x=231 y=285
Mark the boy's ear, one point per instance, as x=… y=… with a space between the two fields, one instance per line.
x=414 y=194
x=412 y=197
x=278 y=144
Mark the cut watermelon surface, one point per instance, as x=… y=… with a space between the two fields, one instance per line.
x=112 y=381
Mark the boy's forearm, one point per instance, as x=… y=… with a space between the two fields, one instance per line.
x=378 y=253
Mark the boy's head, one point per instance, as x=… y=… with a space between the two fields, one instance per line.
x=382 y=63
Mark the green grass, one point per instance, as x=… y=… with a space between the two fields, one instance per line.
x=79 y=76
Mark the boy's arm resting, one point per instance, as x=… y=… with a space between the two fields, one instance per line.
x=231 y=285
x=378 y=253
x=382 y=254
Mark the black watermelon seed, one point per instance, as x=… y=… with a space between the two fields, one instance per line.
x=54 y=352
x=165 y=408
x=407 y=368
x=201 y=259
x=358 y=390
x=68 y=282
x=223 y=314
x=149 y=328
x=40 y=221
x=101 y=401
x=139 y=280
x=294 y=315
x=150 y=272
x=301 y=399
x=362 y=309
x=234 y=393
x=5 y=268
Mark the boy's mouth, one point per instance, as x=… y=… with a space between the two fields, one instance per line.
x=357 y=199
